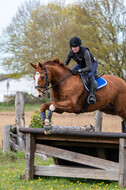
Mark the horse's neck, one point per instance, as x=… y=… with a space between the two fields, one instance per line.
x=57 y=74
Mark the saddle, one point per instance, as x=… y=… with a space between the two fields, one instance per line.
x=100 y=81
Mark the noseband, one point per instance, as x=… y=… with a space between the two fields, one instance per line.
x=46 y=83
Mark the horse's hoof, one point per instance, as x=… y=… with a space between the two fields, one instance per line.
x=48 y=132
x=48 y=129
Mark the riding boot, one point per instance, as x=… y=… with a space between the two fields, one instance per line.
x=93 y=87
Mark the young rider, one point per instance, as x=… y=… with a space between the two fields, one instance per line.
x=86 y=63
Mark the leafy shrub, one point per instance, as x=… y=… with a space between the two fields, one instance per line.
x=11 y=100
x=36 y=120
x=11 y=156
x=29 y=99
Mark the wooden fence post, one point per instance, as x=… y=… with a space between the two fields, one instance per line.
x=30 y=152
x=6 y=138
x=98 y=121
x=19 y=117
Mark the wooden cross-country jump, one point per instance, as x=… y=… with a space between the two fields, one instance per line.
x=77 y=153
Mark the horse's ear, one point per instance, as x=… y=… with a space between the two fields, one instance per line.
x=33 y=65
x=56 y=60
x=39 y=64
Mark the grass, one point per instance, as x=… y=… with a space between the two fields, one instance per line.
x=27 y=107
x=12 y=165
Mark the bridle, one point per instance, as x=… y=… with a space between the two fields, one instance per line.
x=46 y=82
x=45 y=86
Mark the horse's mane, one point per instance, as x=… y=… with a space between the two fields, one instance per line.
x=56 y=61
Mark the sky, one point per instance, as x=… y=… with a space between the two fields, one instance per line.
x=8 y=9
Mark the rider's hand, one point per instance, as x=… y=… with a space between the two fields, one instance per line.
x=74 y=72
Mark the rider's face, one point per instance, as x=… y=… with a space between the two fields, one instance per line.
x=76 y=49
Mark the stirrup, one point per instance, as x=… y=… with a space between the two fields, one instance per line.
x=91 y=99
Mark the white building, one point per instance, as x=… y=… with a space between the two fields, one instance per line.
x=11 y=86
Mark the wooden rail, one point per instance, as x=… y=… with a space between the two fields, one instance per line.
x=77 y=153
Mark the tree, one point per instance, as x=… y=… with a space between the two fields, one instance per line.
x=47 y=34
x=12 y=40
x=33 y=36
x=43 y=32
x=108 y=18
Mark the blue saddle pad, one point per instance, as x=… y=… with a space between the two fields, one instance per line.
x=101 y=83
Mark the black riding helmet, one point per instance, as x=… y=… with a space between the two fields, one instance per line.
x=75 y=41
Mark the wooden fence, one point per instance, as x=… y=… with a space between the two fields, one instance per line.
x=76 y=153
x=8 y=135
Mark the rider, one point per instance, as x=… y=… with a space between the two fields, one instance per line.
x=86 y=63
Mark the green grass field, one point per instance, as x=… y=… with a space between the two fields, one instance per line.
x=27 y=107
x=12 y=165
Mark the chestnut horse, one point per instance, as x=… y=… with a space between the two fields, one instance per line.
x=69 y=94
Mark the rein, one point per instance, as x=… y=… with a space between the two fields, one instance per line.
x=59 y=81
x=47 y=82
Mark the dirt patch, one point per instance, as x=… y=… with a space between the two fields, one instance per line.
x=8 y=118
x=110 y=123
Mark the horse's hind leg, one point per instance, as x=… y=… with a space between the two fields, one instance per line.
x=123 y=123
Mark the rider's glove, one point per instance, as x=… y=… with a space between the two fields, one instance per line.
x=79 y=71
x=74 y=72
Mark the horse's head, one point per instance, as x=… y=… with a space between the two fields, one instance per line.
x=53 y=71
x=41 y=77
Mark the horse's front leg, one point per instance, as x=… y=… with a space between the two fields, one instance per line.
x=62 y=106
x=58 y=106
x=123 y=126
x=43 y=109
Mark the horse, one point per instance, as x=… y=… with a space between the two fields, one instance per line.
x=69 y=94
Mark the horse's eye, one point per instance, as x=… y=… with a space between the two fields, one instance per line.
x=43 y=77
